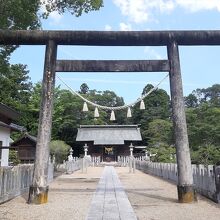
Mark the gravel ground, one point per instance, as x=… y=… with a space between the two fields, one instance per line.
x=70 y=197
x=155 y=199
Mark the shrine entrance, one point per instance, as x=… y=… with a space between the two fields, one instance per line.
x=109 y=154
x=171 y=39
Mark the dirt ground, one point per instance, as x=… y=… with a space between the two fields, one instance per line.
x=156 y=199
x=69 y=199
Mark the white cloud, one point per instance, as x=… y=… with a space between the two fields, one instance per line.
x=136 y=10
x=198 y=5
x=140 y=11
x=55 y=17
x=108 y=27
x=125 y=27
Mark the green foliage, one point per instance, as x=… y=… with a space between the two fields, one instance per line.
x=203 y=126
x=208 y=154
x=210 y=95
x=157 y=107
x=159 y=133
x=76 y=7
x=191 y=101
x=60 y=150
x=26 y=14
x=15 y=85
x=84 y=88
x=13 y=157
x=164 y=154
x=19 y=14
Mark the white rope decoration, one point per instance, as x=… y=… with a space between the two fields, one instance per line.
x=117 y=107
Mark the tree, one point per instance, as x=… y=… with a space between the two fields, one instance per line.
x=13 y=157
x=60 y=150
x=26 y=14
x=210 y=95
x=159 y=133
x=84 y=88
x=163 y=154
x=206 y=154
x=157 y=107
x=191 y=101
x=15 y=86
x=76 y=7
x=203 y=126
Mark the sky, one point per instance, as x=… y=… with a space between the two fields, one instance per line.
x=200 y=65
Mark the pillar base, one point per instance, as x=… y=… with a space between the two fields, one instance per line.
x=186 y=194
x=38 y=195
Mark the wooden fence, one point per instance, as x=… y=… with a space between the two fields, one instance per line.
x=206 y=178
x=15 y=181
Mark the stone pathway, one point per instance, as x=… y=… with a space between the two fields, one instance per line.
x=110 y=201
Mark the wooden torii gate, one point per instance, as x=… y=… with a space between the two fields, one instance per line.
x=171 y=39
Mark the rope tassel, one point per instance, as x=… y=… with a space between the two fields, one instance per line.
x=112 y=118
x=85 y=107
x=129 y=113
x=142 y=105
x=96 y=112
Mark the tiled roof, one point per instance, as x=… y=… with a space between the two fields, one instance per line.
x=8 y=112
x=108 y=134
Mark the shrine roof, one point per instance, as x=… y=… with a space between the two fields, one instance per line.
x=108 y=134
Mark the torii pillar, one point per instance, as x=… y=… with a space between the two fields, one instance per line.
x=186 y=192
x=38 y=193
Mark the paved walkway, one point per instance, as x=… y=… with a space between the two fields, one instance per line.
x=71 y=196
x=110 y=201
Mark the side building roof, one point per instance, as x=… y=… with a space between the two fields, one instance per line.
x=23 y=137
x=108 y=134
x=8 y=112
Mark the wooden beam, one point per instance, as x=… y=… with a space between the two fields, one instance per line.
x=39 y=190
x=112 y=66
x=110 y=38
x=186 y=192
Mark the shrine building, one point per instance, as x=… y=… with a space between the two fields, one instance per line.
x=110 y=141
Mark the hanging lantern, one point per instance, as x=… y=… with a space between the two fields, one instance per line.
x=142 y=105
x=85 y=107
x=129 y=113
x=96 y=112
x=112 y=118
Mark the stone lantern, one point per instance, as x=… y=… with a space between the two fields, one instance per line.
x=85 y=149
x=131 y=149
x=70 y=157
